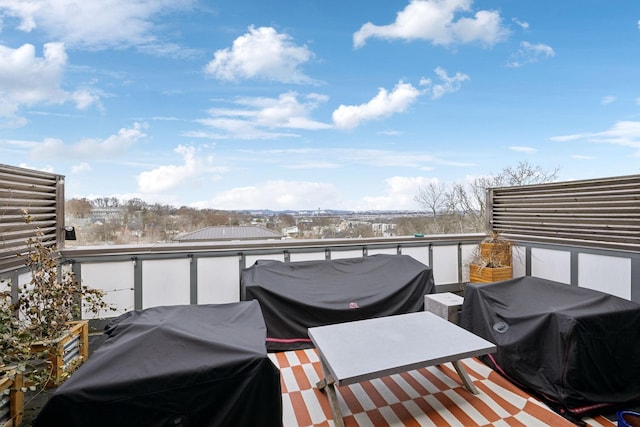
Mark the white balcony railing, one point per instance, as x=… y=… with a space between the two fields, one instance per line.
x=142 y=276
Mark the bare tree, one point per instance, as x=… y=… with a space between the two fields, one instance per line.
x=80 y=208
x=433 y=198
x=523 y=174
x=526 y=174
x=465 y=204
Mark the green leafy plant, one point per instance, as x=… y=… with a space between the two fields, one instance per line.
x=32 y=322
x=53 y=297
x=16 y=340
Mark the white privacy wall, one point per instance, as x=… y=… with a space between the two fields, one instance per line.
x=251 y=259
x=551 y=265
x=218 y=280
x=420 y=253
x=307 y=256
x=519 y=261
x=605 y=273
x=166 y=282
x=353 y=253
x=445 y=264
x=387 y=251
x=116 y=280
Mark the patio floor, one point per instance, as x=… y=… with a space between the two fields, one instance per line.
x=431 y=396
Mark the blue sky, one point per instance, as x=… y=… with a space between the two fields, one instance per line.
x=318 y=103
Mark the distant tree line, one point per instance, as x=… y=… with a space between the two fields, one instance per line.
x=448 y=208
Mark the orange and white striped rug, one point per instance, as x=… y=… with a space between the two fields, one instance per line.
x=432 y=396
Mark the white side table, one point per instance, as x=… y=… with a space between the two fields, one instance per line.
x=446 y=305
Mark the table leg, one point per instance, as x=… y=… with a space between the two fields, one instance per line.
x=328 y=384
x=468 y=384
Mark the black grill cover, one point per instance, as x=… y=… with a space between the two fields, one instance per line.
x=576 y=348
x=179 y=366
x=295 y=296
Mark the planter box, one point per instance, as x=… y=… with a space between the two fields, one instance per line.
x=496 y=253
x=67 y=353
x=479 y=274
x=11 y=401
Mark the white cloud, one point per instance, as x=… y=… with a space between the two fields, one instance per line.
x=530 y=53
x=81 y=167
x=582 y=157
x=521 y=24
x=606 y=100
x=91 y=148
x=262 y=53
x=384 y=104
x=348 y=157
x=277 y=195
x=93 y=24
x=522 y=149
x=27 y=80
x=399 y=194
x=47 y=168
x=306 y=165
x=170 y=176
x=448 y=85
x=196 y=165
x=623 y=133
x=84 y=99
x=436 y=21
x=264 y=118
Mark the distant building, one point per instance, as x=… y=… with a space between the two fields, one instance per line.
x=219 y=233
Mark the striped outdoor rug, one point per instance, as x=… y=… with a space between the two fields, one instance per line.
x=432 y=396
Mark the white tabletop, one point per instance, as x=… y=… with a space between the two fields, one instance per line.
x=367 y=349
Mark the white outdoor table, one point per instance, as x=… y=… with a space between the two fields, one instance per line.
x=357 y=351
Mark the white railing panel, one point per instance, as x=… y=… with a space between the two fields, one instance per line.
x=352 y=253
x=420 y=254
x=606 y=274
x=307 y=256
x=519 y=261
x=445 y=264
x=386 y=251
x=23 y=279
x=551 y=264
x=116 y=280
x=165 y=282
x=468 y=253
x=218 y=280
x=251 y=259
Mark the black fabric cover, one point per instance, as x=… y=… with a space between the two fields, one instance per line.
x=178 y=366
x=577 y=348
x=295 y=296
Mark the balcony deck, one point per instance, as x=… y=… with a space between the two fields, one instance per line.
x=430 y=396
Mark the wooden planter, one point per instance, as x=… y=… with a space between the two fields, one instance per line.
x=480 y=274
x=496 y=253
x=66 y=353
x=11 y=401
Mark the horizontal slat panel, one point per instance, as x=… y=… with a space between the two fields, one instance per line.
x=12 y=173
x=37 y=193
x=18 y=210
x=16 y=229
x=604 y=211
x=26 y=204
x=14 y=186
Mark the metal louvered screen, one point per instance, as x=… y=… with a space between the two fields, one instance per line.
x=41 y=196
x=600 y=212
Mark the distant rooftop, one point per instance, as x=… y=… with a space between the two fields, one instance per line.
x=229 y=233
